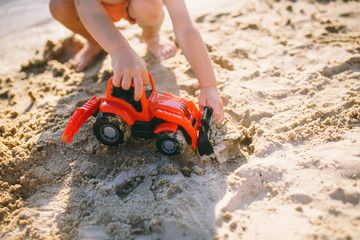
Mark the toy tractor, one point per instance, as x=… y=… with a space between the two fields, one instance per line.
x=172 y=120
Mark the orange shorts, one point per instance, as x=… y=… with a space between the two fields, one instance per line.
x=119 y=11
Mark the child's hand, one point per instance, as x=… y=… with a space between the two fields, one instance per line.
x=129 y=68
x=209 y=97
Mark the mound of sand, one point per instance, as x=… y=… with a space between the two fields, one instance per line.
x=288 y=151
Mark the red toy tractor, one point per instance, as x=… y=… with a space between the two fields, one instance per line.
x=172 y=120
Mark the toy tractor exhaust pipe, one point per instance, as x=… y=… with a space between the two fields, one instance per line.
x=204 y=145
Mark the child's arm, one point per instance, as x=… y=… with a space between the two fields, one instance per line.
x=126 y=63
x=194 y=49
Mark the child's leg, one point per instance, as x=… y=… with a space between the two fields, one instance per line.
x=65 y=12
x=149 y=15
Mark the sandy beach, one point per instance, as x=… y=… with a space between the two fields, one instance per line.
x=288 y=150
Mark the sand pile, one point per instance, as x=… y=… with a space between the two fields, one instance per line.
x=288 y=152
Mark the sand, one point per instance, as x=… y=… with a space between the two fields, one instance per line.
x=288 y=151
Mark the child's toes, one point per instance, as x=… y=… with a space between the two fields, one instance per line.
x=171 y=51
x=81 y=65
x=85 y=56
x=168 y=52
x=162 y=48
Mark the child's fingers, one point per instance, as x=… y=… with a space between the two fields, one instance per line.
x=218 y=113
x=201 y=104
x=138 y=85
x=145 y=77
x=126 y=81
x=117 y=79
x=218 y=116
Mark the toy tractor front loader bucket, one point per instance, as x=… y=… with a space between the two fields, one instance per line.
x=204 y=145
x=79 y=117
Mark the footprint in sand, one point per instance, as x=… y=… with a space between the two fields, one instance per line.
x=351 y=63
x=301 y=198
x=341 y=195
x=125 y=188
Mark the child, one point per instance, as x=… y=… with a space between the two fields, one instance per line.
x=93 y=19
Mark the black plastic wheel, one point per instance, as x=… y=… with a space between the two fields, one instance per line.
x=170 y=143
x=110 y=129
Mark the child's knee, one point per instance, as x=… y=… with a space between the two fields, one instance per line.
x=62 y=10
x=146 y=11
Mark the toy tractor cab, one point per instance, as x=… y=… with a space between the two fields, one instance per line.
x=172 y=120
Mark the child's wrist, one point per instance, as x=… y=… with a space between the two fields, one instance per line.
x=208 y=83
x=118 y=48
x=116 y=51
x=208 y=87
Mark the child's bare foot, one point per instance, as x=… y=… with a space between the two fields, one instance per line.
x=85 y=55
x=161 y=47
